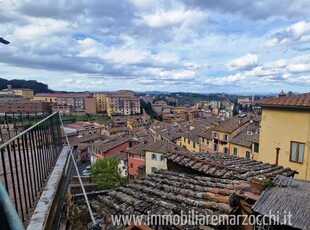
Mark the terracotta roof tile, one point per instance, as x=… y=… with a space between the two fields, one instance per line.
x=301 y=100
x=225 y=166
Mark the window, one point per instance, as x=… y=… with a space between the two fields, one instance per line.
x=297 y=152
x=235 y=151
x=153 y=169
x=226 y=137
x=247 y=154
x=225 y=150
x=162 y=158
x=194 y=145
x=216 y=135
x=131 y=165
x=184 y=139
x=188 y=141
x=203 y=140
x=154 y=157
x=215 y=147
x=256 y=147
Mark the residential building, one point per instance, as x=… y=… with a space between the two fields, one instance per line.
x=79 y=102
x=62 y=109
x=246 y=143
x=26 y=94
x=76 y=100
x=10 y=97
x=284 y=136
x=123 y=163
x=155 y=155
x=205 y=139
x=24 y=106
x=123 y=102
x=101 y=102
x=246 y=101
x=109 y=148
x=46 y=97
x=114 y=132
x=136 y=160
x=190 y=139
x=90 y=105
x=226 y=130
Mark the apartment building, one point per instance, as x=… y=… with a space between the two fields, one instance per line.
x=155 y=155
x=246 y=143
x=228 y=129
x=101 y=102
x=285 y=132
x=45 y=97
x=24 y=93
x=78 y=102
x=123 y=102
x=24 y=106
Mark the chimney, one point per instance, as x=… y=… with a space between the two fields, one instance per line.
x=9 y=87
x=277 y=155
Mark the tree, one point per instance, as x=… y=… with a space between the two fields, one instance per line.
x=106 y=174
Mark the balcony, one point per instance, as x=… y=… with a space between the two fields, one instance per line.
x=35 y=170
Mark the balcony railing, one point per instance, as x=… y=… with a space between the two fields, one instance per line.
x=28 y=155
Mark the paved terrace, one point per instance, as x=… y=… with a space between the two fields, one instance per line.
x=226 y=166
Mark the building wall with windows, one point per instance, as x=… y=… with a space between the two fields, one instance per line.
x=51 y=98
x=205 y=144
x=240 y=151
x=154 y=161
x=101 y=102
x=221 y=140
x=190 y=144
x=134 y=161
x=288 y=129
x=122 y=104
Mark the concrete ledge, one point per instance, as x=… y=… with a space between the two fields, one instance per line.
x=41 y=214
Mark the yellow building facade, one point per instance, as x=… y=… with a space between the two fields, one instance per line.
x=285 y=124
x=24 y=93
x=190 y=144
x=101 y=102
x=45 y=98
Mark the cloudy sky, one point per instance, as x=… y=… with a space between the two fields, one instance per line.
x=237 y=46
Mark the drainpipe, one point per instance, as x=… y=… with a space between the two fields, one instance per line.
x=277 y=155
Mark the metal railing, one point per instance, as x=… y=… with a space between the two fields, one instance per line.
x=27 y=160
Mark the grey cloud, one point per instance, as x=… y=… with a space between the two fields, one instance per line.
x=256 y=10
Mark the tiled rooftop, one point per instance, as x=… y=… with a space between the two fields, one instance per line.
x=167 y=192
x=245 y=138
x=163 y=147
x=225 y=166
x=139 y=148
x=207 y=133
x=105 y=146
x=301 y=100
x=231 y=124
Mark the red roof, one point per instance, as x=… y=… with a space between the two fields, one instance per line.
x=301 y=100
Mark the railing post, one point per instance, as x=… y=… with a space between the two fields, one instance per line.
x=12 y=218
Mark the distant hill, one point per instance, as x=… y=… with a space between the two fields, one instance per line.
x=37 y=87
